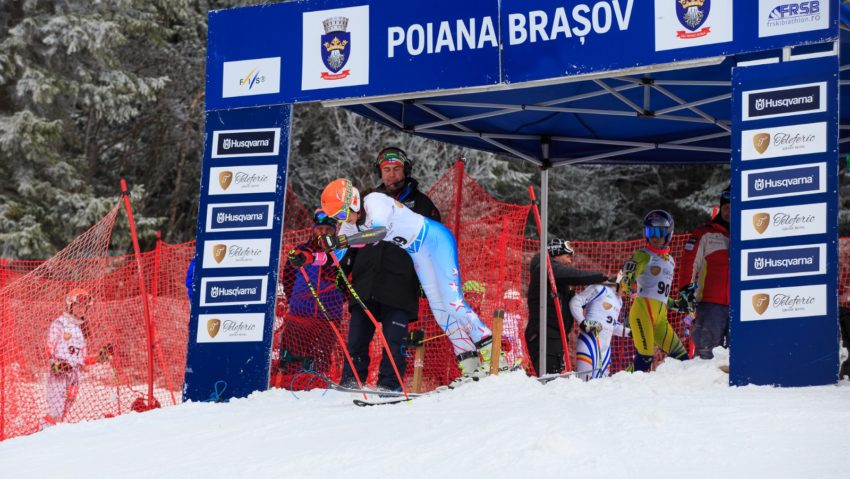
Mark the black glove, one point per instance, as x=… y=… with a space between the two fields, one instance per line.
x=629 y=266
x=299 y=258
x=590 y=326
x=60 y=366
x=688 y=292
x=327 y=242
x=680 y=305
x=105 y=353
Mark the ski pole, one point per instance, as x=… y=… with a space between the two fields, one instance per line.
x=335 y=330
x=558 y=311
x=378 y=329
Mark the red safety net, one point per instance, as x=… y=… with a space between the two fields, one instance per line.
x=129 y=356
x=490 y=251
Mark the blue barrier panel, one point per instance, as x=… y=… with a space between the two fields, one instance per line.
x=784 y=252
x=240 y=216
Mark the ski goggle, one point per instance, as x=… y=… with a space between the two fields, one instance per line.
x=655 y=232
x=320 y=218
x=343 y=214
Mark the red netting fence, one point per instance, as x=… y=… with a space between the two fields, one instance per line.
x=494 y=266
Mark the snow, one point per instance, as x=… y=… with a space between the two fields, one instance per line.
x=682 y=420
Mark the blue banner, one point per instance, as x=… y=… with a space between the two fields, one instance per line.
x=784 y=249
x=240 y=217
x=326 y=50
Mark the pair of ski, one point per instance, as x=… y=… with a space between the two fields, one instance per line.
x=387 y=397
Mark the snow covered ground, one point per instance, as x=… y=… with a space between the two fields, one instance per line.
x=682 y=421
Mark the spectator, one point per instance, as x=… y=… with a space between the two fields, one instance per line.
x=67 y=351
x=190 y=276
x=650 y=270
x=705 y=271
x=566 y=279
x=384 y=277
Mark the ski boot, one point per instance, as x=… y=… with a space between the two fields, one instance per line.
x=471 y=369
x=485 y=350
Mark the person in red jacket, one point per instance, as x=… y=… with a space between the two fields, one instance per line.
x=705 y=272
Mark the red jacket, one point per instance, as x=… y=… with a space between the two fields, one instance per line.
x=705 y=261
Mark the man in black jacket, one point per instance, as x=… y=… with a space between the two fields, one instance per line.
x=566 y=278
x=383 y=276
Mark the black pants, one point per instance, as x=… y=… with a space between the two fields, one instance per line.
x=360 y=333
x=844 y=325
x=554 y=347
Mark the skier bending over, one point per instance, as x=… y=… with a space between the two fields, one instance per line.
x=432 y=248
x=651 y=270
x=66 y=347
x=597 y=309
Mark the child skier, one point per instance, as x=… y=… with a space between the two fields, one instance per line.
x=597 y=309
x=650 y=270
x=433 y=250
x=66 y=347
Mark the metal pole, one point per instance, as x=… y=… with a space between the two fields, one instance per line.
x=544 y=239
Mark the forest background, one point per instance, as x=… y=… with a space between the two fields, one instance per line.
x=94 y=91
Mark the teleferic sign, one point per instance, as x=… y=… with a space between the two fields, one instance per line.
x=784 y=275
x=240 y=217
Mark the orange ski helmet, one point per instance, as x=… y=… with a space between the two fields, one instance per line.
x=339 y=198
x=78 y=296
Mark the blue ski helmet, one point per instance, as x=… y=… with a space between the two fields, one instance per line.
x=658 y=224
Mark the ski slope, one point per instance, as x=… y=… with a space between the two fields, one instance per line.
x=682 y=421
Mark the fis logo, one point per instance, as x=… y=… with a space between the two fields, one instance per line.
x=252 y=78
x=259 y=76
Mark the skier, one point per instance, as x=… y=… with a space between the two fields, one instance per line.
x=651 y=270
x=597 y=310
x=433 y=250
x=66 y=347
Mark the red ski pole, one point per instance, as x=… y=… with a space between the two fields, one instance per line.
x=371 y=318
x=333 y=326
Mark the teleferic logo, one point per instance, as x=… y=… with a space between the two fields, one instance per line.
x=794 y=100
x=235 y=143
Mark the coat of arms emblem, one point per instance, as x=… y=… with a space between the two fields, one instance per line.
x=692 y=14
x=335 y=47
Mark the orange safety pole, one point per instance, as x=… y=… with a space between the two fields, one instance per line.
x=157 y=262
x=143 y=290
x=553 y=286
x=458 y=196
